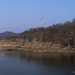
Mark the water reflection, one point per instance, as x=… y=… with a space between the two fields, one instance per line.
x=29 y=63
x=57 y=59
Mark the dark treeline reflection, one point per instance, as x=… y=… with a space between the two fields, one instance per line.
x=56 y=59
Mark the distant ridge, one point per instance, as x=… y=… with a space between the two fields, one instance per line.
x=7 y=33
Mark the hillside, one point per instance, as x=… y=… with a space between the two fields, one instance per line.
x=57 y=35
x=7 y=33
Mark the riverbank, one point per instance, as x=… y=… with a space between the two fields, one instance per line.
x=36 y=47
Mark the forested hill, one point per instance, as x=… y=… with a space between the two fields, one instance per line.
x=63 y=34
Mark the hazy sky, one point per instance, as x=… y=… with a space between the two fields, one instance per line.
x=19 y=15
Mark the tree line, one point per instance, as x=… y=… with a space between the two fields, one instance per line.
x=63 y=34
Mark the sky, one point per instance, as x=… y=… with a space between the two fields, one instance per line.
x=20 y=15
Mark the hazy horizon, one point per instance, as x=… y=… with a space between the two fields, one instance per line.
x=20 y=15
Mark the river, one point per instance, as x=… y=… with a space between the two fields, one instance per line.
x=24 y=63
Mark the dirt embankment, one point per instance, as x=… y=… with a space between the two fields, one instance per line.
x=34 y=46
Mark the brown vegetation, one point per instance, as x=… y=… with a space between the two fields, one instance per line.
x=63 y=34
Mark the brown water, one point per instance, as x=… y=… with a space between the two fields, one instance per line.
x=24 y=63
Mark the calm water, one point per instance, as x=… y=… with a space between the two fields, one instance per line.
x=21 y=63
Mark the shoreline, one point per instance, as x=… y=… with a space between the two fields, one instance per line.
x=14 y=46
x=36 y=50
